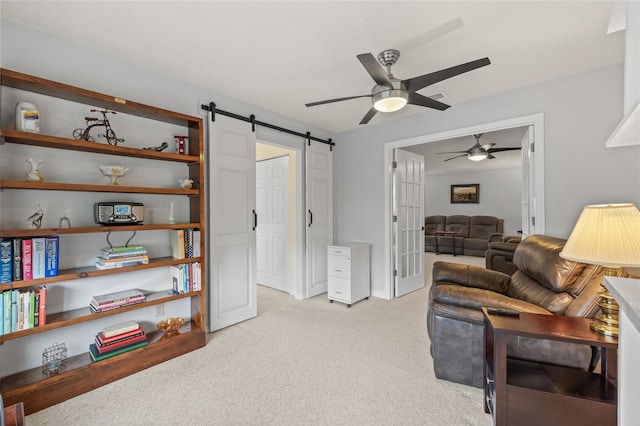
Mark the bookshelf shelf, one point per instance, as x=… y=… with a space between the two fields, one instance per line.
x=8 y=233
x=53 y=186
x=31 y=386
x=76 y=316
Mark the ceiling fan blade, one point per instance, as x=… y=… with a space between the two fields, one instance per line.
x=489 y=156
x=452 y=152
x=416 y=83
x=417 y=99
x=328 y=101
x=488 y=145
x=457 y=156
x=374 y=69
x=368 y=116
x=502 y=149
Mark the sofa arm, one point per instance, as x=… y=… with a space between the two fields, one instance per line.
x=470 y=276
x=451 y=297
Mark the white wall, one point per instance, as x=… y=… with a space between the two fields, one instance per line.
x=580 y=112
x=499 y=195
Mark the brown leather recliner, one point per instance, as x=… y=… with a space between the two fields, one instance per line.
x=499 y=256
x=544 y=283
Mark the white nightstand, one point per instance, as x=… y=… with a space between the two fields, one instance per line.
x=348 y=273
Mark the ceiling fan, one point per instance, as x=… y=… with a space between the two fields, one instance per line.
x=478 y=152
x=392 y=94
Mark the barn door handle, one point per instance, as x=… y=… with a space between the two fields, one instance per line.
x=255 y=220
x=310 y=218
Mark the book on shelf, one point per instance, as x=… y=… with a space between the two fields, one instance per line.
x=7 y=306
x=119 y=249
x=42 y=306
x=52 y=251
x=105 y=341
x=105 y=348
x=119 y=328
x=115 y=297
x=15 y=296
x=188 y=244
x=109 y=306
x=27 y=271
x=177 y=243
x=102 y=264
x=6 y=261
x=2 y=313
x=17 y=259
x=38 y=257
x=97 y=356
x=196 y=243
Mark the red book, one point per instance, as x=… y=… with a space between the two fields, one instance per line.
x=27 y=271
x=106 y=340
x=42 y=308
x=122 y=344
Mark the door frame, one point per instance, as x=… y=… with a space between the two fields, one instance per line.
x=300 y=219
x=534 y=120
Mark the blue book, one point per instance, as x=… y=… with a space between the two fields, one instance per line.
x=7 y=311
x=52 y=251
x=15 y=298
x=17 y=259
x=6 y=261
x=38 y=257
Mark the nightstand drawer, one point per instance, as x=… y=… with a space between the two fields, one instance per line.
x=339 y=266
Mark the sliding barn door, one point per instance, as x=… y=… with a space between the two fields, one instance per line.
x=408 y=205
x=232 y=204
x=319 y=201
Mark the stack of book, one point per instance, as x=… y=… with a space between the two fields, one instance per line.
x=106 y=302
x=117 y=339
x=118 y=257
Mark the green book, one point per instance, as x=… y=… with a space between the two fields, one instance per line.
x=7 y=311
x=96 y=356
x=32 y=309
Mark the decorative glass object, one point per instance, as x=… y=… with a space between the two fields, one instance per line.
x=170 y=326
x=114 y=172
x=35 y=220
x=53 y=359
x=64 y=221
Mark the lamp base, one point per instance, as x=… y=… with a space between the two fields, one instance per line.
x=607 y=322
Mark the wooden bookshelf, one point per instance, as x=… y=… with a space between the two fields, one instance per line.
x=32 y=387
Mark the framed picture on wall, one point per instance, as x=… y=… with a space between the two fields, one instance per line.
x=465 y=193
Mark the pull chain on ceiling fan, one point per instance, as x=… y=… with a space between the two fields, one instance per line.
x=392 y=94
x=478 y=152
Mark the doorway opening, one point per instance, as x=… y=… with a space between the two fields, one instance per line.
x=532 y=177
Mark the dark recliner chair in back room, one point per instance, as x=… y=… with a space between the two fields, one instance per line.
x=544 y=283
x=499 y=256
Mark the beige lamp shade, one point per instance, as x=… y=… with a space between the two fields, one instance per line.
x=606 y=234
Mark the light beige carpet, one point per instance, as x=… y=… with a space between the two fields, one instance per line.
x=297 y=363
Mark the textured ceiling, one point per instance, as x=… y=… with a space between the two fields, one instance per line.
x=281 y=55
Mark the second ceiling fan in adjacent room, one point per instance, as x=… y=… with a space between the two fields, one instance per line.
x=478 y=152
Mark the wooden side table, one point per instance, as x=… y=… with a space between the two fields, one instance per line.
x=532 y=393
x=452 y=234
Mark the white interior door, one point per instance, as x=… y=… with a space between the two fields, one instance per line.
x=272 y=233
x=232 y=204
x=528 y=184
x=319 y=200
x=408 y=207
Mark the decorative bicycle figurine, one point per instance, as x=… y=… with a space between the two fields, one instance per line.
x=83 y=134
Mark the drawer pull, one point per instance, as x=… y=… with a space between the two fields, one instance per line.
x=338 y=270
x=338 y=292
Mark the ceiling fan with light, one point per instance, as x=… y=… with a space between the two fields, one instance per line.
x=478 y=152
x=392 y=94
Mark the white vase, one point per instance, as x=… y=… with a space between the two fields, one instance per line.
x=34 y=174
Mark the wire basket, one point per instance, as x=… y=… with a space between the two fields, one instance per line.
x=53 y=359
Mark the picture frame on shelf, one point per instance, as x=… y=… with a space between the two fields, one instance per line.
x=465 y=193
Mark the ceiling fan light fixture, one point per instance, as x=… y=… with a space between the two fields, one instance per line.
x=390 y=100
x=477 y=154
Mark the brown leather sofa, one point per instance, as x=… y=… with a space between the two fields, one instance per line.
x=544 y=283
x=499 y=256
x=472 y=233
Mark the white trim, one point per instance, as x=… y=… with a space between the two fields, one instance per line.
x=535 y=120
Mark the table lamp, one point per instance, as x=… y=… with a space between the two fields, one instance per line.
x=607 y=235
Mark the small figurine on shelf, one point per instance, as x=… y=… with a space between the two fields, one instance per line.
x=83 y=134
x=35 y=220
x=172 y=219
x=64 y=221
x=185 y=183
x=158 y=148
x=34 y=174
